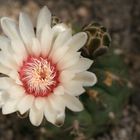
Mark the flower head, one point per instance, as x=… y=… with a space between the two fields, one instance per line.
x=45 y=72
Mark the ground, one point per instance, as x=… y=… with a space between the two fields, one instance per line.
x=122 y=18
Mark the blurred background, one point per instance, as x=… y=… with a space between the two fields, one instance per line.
x=122 y=19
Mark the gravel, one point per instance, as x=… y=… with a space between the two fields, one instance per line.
x=122 y=19
x=127 y=129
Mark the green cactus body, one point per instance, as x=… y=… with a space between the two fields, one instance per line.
x=105 y=101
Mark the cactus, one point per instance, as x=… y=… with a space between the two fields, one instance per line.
x=104 y=102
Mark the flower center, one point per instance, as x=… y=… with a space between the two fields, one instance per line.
x=39 y=76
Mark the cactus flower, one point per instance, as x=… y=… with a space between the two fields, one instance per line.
x=45 y=72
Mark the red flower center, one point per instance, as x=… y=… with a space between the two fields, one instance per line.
x=39 y=76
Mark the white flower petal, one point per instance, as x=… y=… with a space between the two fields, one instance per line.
x=4 y=96
x=74 y=88
x=6 y=82
x=46 y=40
x=4 y=69
x=66 y=75
x=55 y=102
x=60 y=118
x=15 y=76
x=57 y=55
x=40 y=102
x=9 y=107
x=26 y=29
x=77 y=41
x=7 y=61
x=19 y=49
x=59 y=107
x=82 y=65
x=72 y=103
x=68 y=60
x=87 y=78
x=59 y=28
x=68 y=50
x=5 y=45
x=36 y=116
x=59 y=90
x=18 y=59
x=25 y=104
x=16 y=91
x=7 y=50
x=10 y=28
x=71 y=46
x=60 y=40
x=44 y=18
x=36 y=47
x=50 y=114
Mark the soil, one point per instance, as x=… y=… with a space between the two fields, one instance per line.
x=122 y=18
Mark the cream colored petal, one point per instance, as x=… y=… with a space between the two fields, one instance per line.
x=6 y=83
x=59 y=28
x=35 y=116
x=74 y=88
x=14 y=75
x=59 y=54
x=72 y=103
x=4 y=96
x=4 y=69
x=25 y=104
x=82 y=65
x=68 y=60
x=7 y=61
x=44 y=18
x=71 y=46
x=18 y=59
x=66 y=56
x=7 y=50
x=77 y=41
x=87 y=78
x=40 y=102
x=60 y=118
x=5 y=45
x=60 y=40
x=59 y=90
x=49 y=112
x=9 y=107
x=59 y=107
x=16 y=91
x=56 y=103
x=26 y=29
x=66 y=75
x=46 y=40
x=19 y=49
x=36 y=47
x=10 y=28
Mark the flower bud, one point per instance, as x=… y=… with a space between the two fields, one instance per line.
x=98 y=40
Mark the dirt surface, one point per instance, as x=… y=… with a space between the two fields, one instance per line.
x=122 y=18
x=127 y=129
